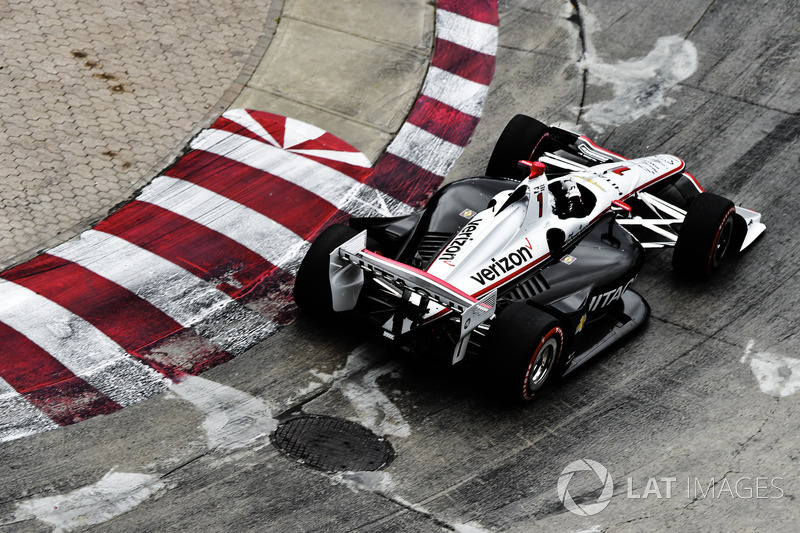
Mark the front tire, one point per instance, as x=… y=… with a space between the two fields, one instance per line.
x=523 y=349
x=706 y=237
x=517 y=142
x=312 y=287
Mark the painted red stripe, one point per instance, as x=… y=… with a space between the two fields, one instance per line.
x=187 y=352
x=127 y=319
x=235 y=269
x=272 y=297
x=480 y=10
x=209 y=255
x=463 y=62
x=404 y=180
x=139 y=328
x=230 y=126
x=443 y=121
x=293 y=207
x=47 y=384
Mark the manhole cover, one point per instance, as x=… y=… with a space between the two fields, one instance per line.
x=332 y=444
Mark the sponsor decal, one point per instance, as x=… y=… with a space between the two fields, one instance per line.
x=467 y=213
x=568 y=259
x=601 y=300
x=504 y=265
x=658 y=164
x=620 y=170
x=462 y=238
x=581 y=324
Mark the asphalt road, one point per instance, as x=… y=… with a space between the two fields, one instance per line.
x=696 y=412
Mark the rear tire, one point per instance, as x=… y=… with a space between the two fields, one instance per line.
x=517 y=142
x=312 y=287
x=706 y=237
x=522 y=350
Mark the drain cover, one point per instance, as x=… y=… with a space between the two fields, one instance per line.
x=332 y=444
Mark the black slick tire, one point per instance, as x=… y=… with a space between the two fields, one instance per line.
x=706 y=237
x=517 y=142
x=522 y=352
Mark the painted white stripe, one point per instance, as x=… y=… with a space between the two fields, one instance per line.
x=425 y=149
x=19 y=417
x=83 y=349
x=272 y=241
x=356 y=159
x=244 y=119
x=466 y=32
x=116 y=493
x=189 y=300
x=297 y=132
x=337 y=188
x=455 y=91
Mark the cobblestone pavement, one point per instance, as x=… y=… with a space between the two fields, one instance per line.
x=97 y=97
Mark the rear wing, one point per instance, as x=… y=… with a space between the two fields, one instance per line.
x=350 y=260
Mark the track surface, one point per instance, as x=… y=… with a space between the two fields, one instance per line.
x=705 y=394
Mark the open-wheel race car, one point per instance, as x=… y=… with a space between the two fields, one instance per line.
x=530 y=267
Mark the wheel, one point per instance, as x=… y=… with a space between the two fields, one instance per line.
x=518 y=140
x=312 y=287
x=706 y=236
x=522 y=351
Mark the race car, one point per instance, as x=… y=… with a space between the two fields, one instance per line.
x=527 y=270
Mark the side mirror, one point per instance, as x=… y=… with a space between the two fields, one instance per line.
x=555 y=241
x=530 y=169
x=620 y=209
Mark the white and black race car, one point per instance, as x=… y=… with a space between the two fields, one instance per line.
x=530 y=267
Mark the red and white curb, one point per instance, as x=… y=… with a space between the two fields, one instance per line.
x=199 y=267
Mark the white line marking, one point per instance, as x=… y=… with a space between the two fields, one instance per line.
x=19 y=417
x=189 y=300
x=339 y=189
x=83 y=349
x=425 y=149
x=777 y=375
x=477 y=36
x=457 y=92
x=358 y=382
x=116 y=493
x=234 y=419
x=272 y=241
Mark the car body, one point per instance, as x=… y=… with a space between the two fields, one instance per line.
x=506 y=270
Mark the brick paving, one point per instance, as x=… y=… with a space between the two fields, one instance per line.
x=96 y=98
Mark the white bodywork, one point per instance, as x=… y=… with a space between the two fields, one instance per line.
x=503 y=241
